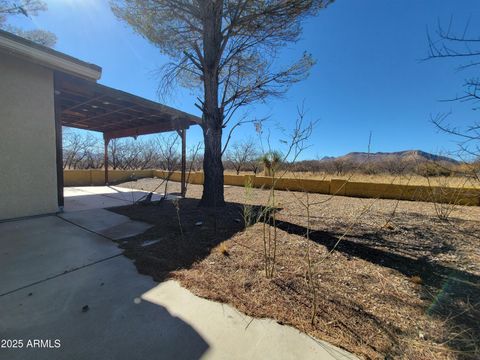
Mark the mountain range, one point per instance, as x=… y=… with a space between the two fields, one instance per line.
x=403 y=156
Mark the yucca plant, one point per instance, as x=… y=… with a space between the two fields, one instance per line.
x=271 y=160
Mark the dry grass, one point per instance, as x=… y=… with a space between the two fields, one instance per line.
x=408 y=290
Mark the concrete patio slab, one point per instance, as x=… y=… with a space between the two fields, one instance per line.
x=116 y=325
x=35 y=249
x=62 y=282
x=97 y=197
x=241 y=337
x=107 y=223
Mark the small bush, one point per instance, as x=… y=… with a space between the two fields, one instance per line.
x=223 y=249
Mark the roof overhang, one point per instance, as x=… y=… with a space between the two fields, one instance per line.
x=82 y=103
x=47 y=57
x=91 y=106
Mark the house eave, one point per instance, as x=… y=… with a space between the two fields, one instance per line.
x=49 y=58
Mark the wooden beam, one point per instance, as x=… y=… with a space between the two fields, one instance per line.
x=58 y=147
x=148 y=129
x=184 y=162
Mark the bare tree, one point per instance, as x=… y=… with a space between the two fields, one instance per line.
x=254 y=165
x=80 y=151
x=459 y=45
x=124 y=154
x=169 y=155
x=25 y=8
x=241 y=154
x=340 y=166
x=295 y=146
x=225 y=49
x=194 y=158
x=114 y=150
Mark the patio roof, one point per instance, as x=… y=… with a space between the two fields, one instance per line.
x=91 y=106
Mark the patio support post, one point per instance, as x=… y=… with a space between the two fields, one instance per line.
x=58 y=147
x=106 y=140
x=184 y=162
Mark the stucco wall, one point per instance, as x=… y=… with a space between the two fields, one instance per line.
x=28 y=183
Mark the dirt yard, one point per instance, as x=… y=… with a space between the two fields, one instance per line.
x=391 y=279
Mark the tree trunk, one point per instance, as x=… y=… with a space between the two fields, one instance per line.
x=212 y=113
x=213 y=169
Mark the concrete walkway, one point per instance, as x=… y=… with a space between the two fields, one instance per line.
x=62 y=281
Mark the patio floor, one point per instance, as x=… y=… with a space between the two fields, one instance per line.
x=97 y=197
x=63 y=278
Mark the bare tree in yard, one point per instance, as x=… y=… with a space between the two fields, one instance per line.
x=169 y=155
x=453 y=45
x=25 y=8
x=241 y=154
x=225 y=49
x=194 y=158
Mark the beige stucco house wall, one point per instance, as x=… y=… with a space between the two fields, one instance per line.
x=28 y=183
x=28 y=146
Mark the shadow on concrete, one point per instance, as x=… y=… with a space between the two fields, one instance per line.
x=97 y=313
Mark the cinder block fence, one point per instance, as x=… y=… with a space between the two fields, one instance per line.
x=460 y=196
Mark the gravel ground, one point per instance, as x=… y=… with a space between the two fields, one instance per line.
x=391 y=279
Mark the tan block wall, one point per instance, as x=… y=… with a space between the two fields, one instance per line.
x=28 y=182
x=333 y=187
x=77 y=177
x=96 y=177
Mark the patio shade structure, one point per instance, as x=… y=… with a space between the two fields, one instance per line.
x=87 y=105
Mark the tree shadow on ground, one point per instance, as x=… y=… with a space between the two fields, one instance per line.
x=182 y=233
x=452 y=292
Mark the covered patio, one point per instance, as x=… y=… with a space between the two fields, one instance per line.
x=87 y=105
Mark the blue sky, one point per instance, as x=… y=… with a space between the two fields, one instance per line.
x=368 y=75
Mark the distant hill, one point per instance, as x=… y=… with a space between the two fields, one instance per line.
x=403 y=156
